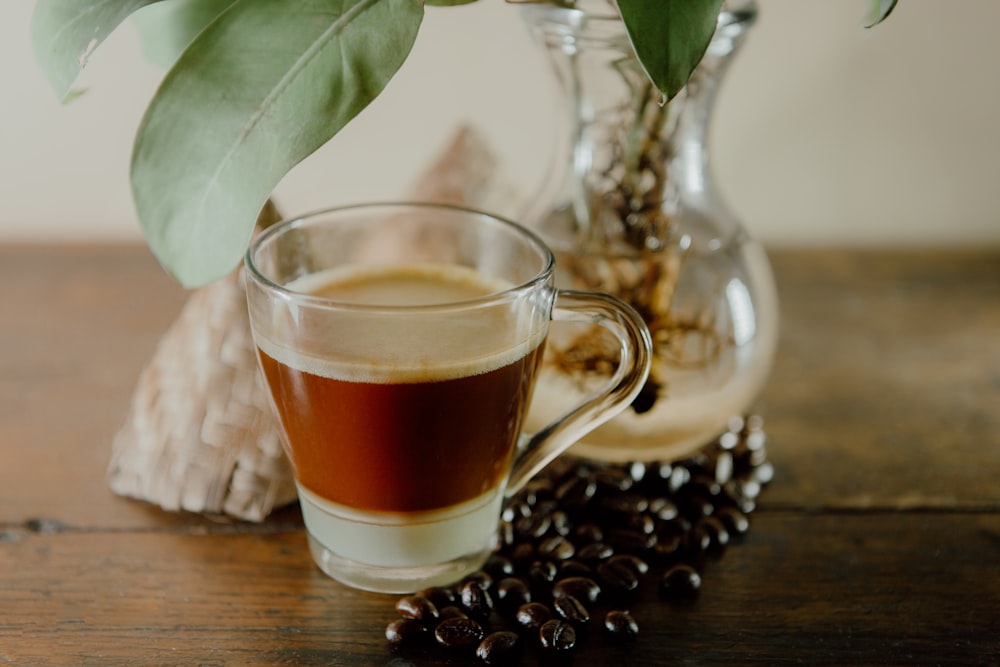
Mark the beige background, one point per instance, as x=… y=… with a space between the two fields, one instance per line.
x=824 y=133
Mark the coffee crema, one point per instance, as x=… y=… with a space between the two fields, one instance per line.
x=387 y=430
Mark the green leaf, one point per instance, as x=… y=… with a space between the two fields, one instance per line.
x=166 y=28
x=66 y=32
x=881 y=10
x=670 y=37
x=262 y=87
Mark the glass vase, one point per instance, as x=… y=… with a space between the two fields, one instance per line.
x=631 y=209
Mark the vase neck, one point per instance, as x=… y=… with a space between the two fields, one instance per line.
x=631 y=161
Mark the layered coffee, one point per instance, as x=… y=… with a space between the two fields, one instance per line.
x=398 y=421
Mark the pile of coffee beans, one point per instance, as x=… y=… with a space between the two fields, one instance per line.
x=578 y=542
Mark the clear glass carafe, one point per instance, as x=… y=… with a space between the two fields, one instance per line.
x=631 y=209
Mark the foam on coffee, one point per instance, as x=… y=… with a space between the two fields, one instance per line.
x=389 y=350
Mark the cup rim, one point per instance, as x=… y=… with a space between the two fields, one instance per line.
x=540 y=278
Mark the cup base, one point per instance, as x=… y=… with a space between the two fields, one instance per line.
x=394 y=580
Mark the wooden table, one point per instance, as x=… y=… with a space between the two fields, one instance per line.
x=877 y=543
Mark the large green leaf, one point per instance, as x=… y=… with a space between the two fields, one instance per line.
x=670 y=37
x=166 y=28
x=66 y=32
x=263 y=86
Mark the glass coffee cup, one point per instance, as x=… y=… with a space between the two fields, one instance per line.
x=399 y=343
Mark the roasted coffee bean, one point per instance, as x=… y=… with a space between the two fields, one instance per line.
x=764 y=473
x=533 y=526
x=723 y=468
x=697 y=505
x=663 y=508
x=406 y=633
x=633 y=563
x=561 y=524
x=633 y=541
x=612 y=479
x=576 y=492
x=417 y=607
x=620 y=625
x=542 y=573
x=679 y=476
x=556 y=548
x=574 y=568
x=584 y=589
x=637 y=471
x=532 y=615
x=499 y=648
x=498 y=566
x=668 y=545
x=735 y=521
x=458 y=633
x=716 y=531
x=556 y=635
x=588 y=533
x=697 y=541
x=475 y=600
x=626 y=503
x=617 y=579
x=438 y=595
x=512 y=592
x=571 y=610
x=681 y=582
x=641 y=523
x=595 y=552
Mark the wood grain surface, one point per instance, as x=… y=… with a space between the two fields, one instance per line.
x=877 y=543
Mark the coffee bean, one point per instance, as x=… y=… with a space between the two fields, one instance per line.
x=417 y=607
x=626 y=503
x=663 y=508
x=595 y=552
x=620 y=625
x=561 y=523
x=588 y=533
x=764 y=473
x=633 y=541
x=406 y=633
x=716 y=531
x=574 y=568
x=571 y=610
x=576 y=492
x=498 y=648
x=612 y=479
x=633 y=563
x=505 y=534
x=458 y=633
x=512 y=592
x=617 y=579
x=542 y=573
x=498 y=566
x=556 y=548
x=523 y=554
x=533 y=525
x=735 y=521
x=556 y=635
x=582 y=588
x=475 y=600
x=532 y=615
x=680 y=582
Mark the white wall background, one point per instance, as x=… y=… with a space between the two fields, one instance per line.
x=824 y=133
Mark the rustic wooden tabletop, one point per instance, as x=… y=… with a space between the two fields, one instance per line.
x=876 y=543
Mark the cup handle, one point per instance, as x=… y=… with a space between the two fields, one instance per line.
x=536 y=450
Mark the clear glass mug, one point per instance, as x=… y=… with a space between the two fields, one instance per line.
x=399 y=343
